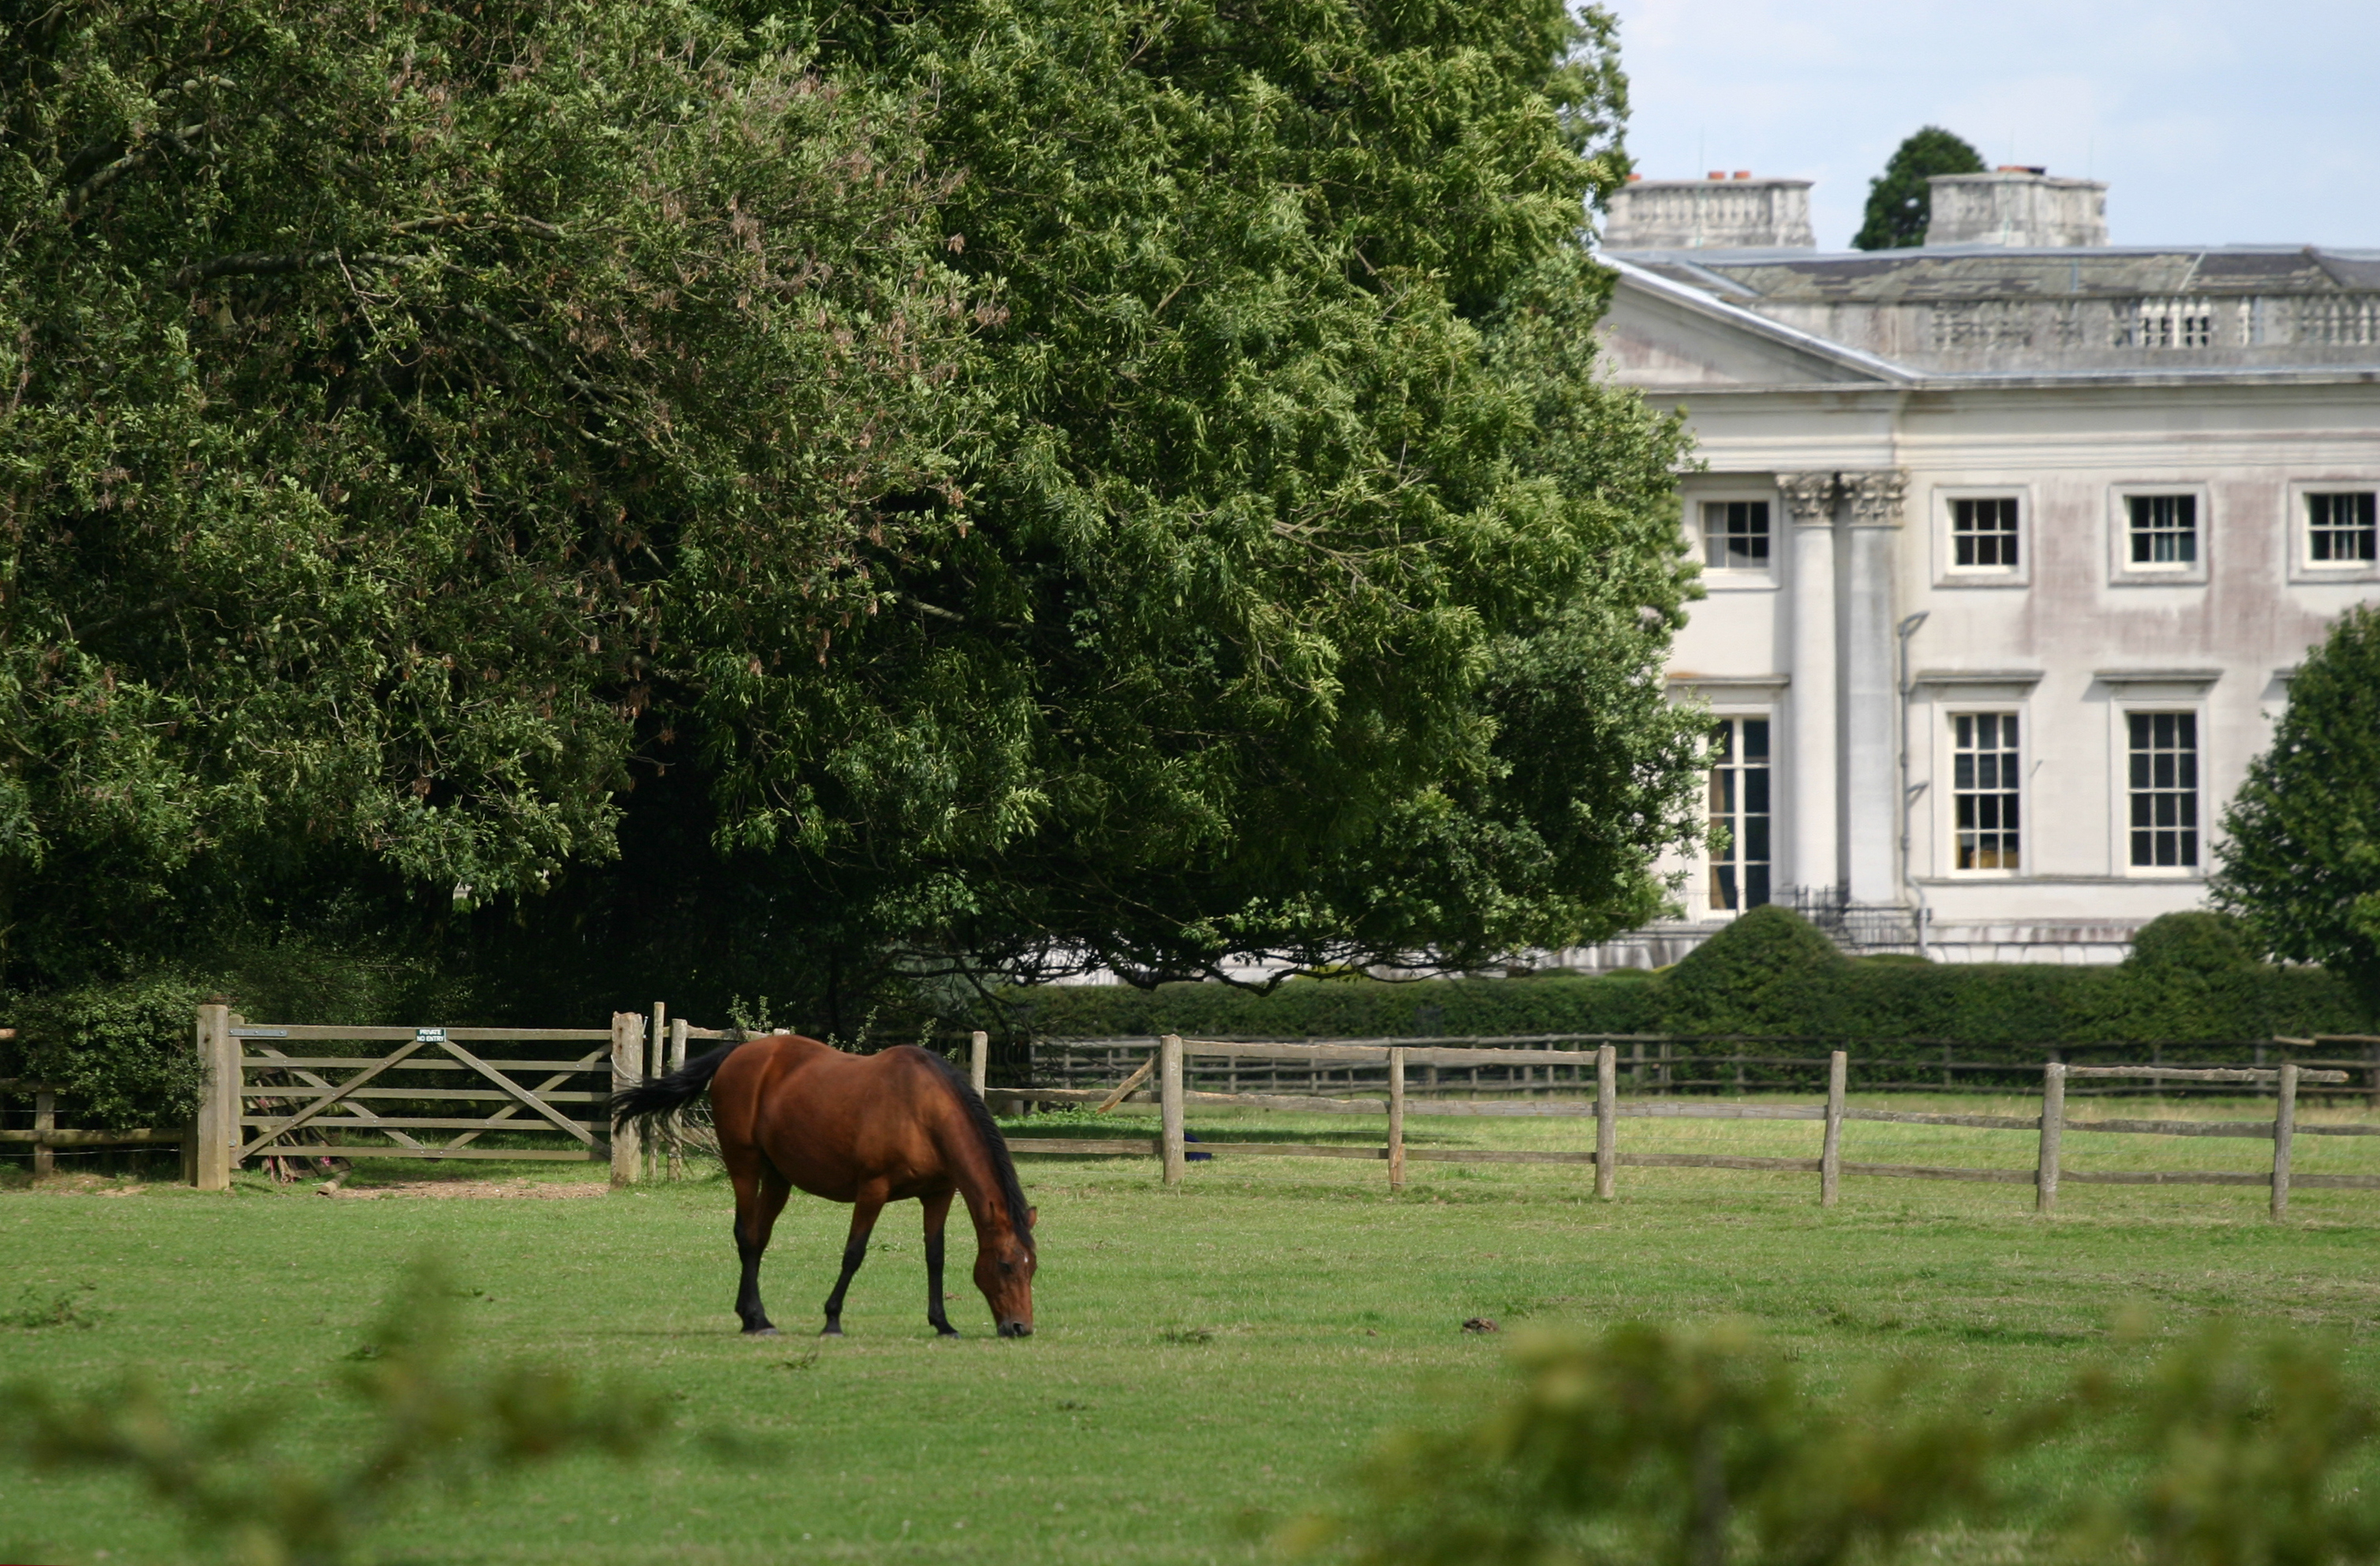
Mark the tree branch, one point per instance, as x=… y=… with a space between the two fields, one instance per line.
x=262 y=264
x=80 y=195
x=122 y=617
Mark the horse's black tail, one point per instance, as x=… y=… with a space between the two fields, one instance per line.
x=659 y=1095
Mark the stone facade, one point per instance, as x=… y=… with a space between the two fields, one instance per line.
x=2009 y=553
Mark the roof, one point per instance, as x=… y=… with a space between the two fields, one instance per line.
x=1992 y=271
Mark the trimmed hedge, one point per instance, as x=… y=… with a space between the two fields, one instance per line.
x=2189 y=981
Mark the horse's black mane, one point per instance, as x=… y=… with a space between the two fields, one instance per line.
x=995 y=1146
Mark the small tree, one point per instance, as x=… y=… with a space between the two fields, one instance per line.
x=1900 y=202
x=2300 y=859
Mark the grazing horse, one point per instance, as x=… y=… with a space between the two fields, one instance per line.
x=863 y=1129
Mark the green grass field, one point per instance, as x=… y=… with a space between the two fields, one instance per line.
x=1206 y=1358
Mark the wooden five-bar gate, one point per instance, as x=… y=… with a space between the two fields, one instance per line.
x=429 y=1093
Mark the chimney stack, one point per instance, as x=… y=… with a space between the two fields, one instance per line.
x=2018 y=207
x=1717 y=214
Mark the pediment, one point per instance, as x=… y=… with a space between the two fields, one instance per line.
x=1659 y=333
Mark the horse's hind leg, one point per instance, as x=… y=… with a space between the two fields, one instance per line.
x=937 y=1210
x=864 y=1209
x=760 y=1194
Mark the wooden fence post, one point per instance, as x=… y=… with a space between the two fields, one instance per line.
x=1606 y=1116
x=1169 y=1102
x=2053 y=1126
x=627 y=1070
x=677 y=1038
x=1830 y=1155
x=217 y=1128
x=1396 y=1117
x=979 y=1059
x=45 y=1120
x=2284 y=1127
x=655 y=1159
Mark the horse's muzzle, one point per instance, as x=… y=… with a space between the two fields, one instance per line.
x=1015 y=1330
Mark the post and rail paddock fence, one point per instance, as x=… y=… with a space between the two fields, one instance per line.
x=1665 y=1063
x=1173 y=1097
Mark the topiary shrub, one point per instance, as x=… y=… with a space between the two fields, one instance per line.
x=2194 y=941
x=1740 y=978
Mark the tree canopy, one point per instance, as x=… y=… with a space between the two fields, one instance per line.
x=2299 y=854
x=1900 y=202
x=824 y=491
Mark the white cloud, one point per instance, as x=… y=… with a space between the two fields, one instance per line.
x=2211 y=124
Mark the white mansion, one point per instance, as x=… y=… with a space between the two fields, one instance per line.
x=2012 y=542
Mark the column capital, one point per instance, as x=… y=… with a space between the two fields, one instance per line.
x=1809 y=496
x=1876 y=496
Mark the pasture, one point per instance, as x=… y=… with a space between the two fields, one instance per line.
x=1205 y=1359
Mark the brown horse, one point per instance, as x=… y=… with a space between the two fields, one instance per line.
x=863 y=1129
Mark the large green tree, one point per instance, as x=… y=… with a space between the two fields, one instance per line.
x=787 y=495
x=1900 y=202
x=2299 y=854
x=396 y=400
x=1319 y=590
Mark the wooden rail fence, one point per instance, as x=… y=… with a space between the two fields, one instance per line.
x=46 y=1138
x=1173 y=1099
x=1674 y=1063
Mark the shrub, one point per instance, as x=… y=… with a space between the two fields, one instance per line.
x=126 y=1052
x=1751 y=977
x=1704 y=1448
x=2195 y=941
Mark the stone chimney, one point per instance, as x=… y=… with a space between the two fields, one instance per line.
x=2018 y=207
x=1737 y=213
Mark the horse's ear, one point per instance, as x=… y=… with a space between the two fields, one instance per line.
x=1032 y=1217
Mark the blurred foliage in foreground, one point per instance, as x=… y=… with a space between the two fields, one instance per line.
x=432 y=1417
x=1650 y=1446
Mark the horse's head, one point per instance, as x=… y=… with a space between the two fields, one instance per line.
x=1003 y=1270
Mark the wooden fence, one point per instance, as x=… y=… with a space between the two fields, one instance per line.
x=1675 y=1064
x=1173 y=1097
x=47 y=1138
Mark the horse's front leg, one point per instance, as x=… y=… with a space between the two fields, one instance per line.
x=937 y=1208
x=864 y=1209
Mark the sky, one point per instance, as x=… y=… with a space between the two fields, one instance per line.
x=2234 y=124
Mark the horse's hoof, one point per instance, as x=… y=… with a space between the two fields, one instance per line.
x=762 y=1332
x=829 y=1332
x=946 y=1332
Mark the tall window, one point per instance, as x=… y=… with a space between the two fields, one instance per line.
x=1984 y=790
x=2164 y=788
x=1735 y=535
x=2165 y=529
x=2340 y=528
x=1983 y=533
x=1739 y=802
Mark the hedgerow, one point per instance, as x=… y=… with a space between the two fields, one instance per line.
x=2190 y=980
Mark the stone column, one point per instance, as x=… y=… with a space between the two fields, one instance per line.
x=1808 y=754
x=1870 y=789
